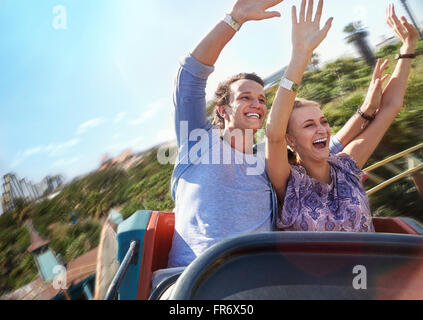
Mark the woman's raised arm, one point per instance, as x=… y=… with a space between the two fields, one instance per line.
x=306 y=36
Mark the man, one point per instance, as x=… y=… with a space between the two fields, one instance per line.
x=219 y=183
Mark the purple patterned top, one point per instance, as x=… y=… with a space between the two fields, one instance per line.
x=310 y=205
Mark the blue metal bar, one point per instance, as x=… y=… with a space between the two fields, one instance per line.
x=87 y=291
x=131 y=254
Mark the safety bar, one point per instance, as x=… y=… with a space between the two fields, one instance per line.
x=130 y=258
x=397 y=177
x=392 y=158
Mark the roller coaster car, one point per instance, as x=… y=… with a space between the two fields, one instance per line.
x=387 y=264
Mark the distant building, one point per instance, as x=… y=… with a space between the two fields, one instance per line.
x=386 y=41
x=274 y=78
x=122 y=161
x=13 y=188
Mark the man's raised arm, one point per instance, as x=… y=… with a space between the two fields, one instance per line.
x=189 y=95
x=210 y=47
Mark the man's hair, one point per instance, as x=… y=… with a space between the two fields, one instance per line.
x=223 y=93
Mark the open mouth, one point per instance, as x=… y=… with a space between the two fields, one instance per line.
x=253 y=115
x=320 y=143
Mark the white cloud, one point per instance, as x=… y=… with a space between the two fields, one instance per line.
x=119 y=117
x=153 y=109
x=144 y=117
x=65 y=162
x=32 y=151
x=53 y=149
x=56 y=149
x=89 y=124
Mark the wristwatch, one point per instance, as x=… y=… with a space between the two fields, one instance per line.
x=407 y=55
x=232 y=22
x=288 y=84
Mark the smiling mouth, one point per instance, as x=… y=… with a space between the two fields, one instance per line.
x=320 y=143
x=253 y=115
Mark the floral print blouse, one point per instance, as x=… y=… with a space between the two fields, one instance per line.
x=310 y=205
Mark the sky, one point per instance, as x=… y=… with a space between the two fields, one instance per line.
x=84 y=78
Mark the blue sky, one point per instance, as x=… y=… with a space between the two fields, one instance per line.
x=104 y=84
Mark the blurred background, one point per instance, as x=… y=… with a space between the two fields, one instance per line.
x=86 y=99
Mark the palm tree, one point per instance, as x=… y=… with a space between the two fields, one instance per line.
x=357 y=36
x=315 y=61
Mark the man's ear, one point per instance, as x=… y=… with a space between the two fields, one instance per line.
x=222 y=112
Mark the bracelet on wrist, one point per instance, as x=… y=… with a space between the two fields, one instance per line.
x=228 y=19
x=288 y=84
x=405 y=56
x=365 y=116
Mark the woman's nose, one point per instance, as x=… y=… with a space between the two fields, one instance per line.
x=321 y=128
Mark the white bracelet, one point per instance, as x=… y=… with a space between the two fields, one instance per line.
x=288 y=84
x=232 y=22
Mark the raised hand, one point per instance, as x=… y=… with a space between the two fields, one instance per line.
x=245 y=10
x=374 y=94
x=306 y=32
x=406 y=32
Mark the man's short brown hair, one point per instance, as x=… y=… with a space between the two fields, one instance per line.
x=223 y=93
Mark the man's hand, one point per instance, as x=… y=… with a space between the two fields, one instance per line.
x=246 y=10
x=405 y=31
x=306 y=32
x=374 y=94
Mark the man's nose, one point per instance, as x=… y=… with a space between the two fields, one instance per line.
x=256 y=103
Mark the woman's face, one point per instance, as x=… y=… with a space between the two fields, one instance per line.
x=309 y=133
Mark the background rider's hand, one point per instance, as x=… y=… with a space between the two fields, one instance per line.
x=246 y=10
x=406 y=32
x=306 y=32
x=374 y=94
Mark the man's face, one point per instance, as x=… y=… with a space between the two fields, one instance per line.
x=247 y=106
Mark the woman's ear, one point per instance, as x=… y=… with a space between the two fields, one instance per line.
x=290 y=140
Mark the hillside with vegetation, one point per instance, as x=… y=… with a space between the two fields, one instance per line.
x=340 y=86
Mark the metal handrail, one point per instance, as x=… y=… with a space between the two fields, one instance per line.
x=130 y=256
x=393 y=179
x=392 y=158
x=397 y=177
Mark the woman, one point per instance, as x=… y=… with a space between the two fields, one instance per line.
x=322 y=191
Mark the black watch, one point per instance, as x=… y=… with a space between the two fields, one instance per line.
x=407 y=55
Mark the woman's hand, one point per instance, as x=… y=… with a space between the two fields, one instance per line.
x=374 y=94
x=246 y=10
x=306 y=32
x=406 y=32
